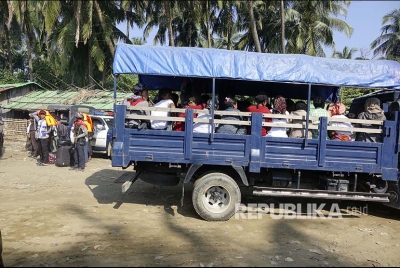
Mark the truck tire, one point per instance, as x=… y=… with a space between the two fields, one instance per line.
x=215 y=196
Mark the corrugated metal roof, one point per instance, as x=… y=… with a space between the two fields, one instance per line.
x=6 y=87
x=99 y=99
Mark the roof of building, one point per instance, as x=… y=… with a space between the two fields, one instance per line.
x=6 y=87
x=40 y=99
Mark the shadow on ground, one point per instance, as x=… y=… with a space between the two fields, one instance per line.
x=106 y=186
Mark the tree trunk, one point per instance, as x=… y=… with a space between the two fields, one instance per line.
x=208 y=25
x=127 y=28
x=169 y=22
x=253 y=26
x=78 y=22
x=29 y=52
x=283 y=27
x=104 y=75
x=90 y=71
x=104 y=26
x=9 y=52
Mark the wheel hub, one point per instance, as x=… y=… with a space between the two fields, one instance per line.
x=216 y=199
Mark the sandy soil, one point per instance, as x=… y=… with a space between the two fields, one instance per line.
x=51 y=216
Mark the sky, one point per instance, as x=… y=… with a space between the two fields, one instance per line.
x=364 y=16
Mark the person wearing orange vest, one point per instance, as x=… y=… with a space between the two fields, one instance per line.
x=139 y=99
x=80 y=137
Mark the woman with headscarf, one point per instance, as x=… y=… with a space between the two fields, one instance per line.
x=231 y=105
x=260 y=107
x=337 y=110
x=279 y=108
x=372 y=111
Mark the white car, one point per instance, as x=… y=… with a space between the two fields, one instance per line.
x=103 y=125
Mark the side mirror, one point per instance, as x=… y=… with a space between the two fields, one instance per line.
x=100 y=127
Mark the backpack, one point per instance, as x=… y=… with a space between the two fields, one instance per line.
x=62 y=130
x=88 y=122
x=50 y=121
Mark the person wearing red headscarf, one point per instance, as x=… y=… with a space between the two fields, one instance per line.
x=337 y=110
x=279 y=108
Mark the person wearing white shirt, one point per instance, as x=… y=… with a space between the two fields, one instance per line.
x=337 y=110
x=279 y=108
x=201 y=127
x=165 y=102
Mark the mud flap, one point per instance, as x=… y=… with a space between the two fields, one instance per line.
x=126 y=185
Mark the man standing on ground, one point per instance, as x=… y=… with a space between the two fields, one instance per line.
x=42 y=134
x=31 y=131
x=80 y=137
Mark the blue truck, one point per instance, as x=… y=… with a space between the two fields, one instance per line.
x=220 y=165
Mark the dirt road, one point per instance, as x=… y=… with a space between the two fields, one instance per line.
x=51 y=216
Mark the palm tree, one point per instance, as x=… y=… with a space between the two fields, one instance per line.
x=225 y=25
x=134 y=13
x=24 y=11
x=253 y=26
x=347 y=53
x=388 y=43
x=315 y=27
x=161 y=14
x=93 y=26
x=267 y=15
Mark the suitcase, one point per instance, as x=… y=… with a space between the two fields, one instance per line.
x=63 y=156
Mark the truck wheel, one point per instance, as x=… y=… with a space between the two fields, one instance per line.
x=215 y=196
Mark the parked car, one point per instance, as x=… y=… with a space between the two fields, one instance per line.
x=103 y=125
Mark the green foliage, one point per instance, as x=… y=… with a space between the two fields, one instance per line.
x=347 y=94
x=125 y=82
x=6 y=77
x=45 y=76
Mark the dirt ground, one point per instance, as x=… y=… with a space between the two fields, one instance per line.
x=51 y=216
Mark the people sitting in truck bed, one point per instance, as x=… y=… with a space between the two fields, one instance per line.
x=260 y=107
x=372 y=111
x=319 y=111
x=200 y=127
x=139 y=99
x=165 y=102
x=337 y=110
x=279 y=108
x=175 y=99
x=290 y=105
x=191 y=104
x=300 y=109
x=231 y=105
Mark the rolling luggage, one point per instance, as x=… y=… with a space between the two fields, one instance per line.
x=63 y=156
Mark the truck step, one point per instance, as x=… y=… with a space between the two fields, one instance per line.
x=319 y=194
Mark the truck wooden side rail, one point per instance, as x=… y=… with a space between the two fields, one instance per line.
x=248 y=156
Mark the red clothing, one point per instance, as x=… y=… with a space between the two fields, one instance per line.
x=261 y=109
x=180 y=126
x=134 y=102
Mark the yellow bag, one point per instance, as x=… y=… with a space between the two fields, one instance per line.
x=88 y=122
x=50 y=120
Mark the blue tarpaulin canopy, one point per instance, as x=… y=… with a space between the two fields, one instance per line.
x=285 y=74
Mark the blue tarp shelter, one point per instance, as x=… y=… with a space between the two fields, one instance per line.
x=251 y=72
